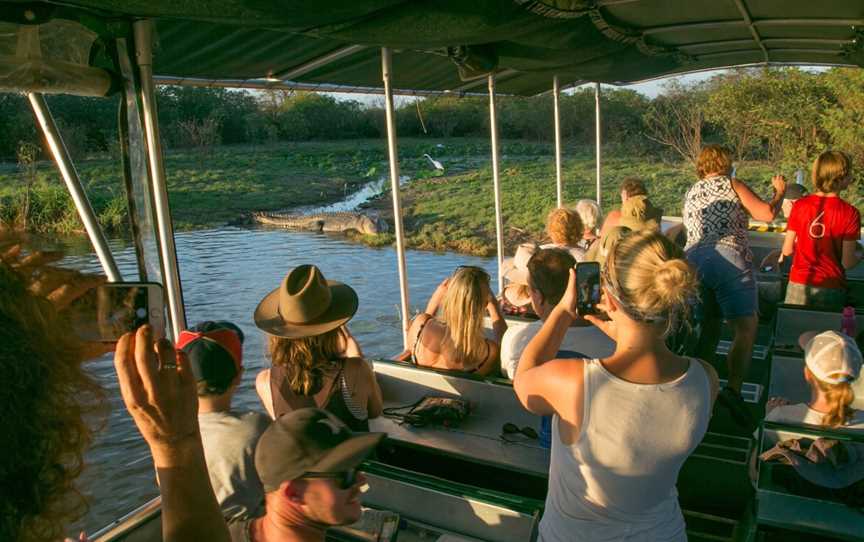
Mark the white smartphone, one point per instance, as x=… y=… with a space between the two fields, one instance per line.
x=106 y=312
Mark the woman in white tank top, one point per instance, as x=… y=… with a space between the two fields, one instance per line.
x=623 y=425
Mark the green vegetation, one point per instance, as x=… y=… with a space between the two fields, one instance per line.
x=457 y=212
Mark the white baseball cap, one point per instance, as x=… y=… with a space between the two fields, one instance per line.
x=832 y=357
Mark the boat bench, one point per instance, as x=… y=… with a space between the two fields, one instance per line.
x=777 y=506
x=461 y=509
x=477 y=438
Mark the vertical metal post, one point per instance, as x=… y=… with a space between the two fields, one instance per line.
x=496 y=182
x=171 y=275
x=559 y=183
x=73 y=184
x=386 y=66
x=597 y=135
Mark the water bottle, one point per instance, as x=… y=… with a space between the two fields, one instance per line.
x=848 y=325
x=799 y=176
x=545 y=433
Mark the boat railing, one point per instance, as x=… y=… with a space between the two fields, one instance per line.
x=142 y=524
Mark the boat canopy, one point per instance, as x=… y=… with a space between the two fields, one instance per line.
x=445 y=46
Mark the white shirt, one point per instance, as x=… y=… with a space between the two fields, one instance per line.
x=517 y=338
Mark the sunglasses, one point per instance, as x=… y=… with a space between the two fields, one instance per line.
x=344 y=480
x=512 y=429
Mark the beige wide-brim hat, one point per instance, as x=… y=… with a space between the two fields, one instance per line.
x=305 y=305
x=517 y=295
x=516 y=268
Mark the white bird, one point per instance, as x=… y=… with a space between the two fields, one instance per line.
x=435 y=163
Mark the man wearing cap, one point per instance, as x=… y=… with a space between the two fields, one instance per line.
x=307 y=462
x=546 y=273
x=832 y=363
x=794 y=192
x=215 y=353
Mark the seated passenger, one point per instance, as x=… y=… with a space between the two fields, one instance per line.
x=316 y=361
x=822 y=233
x=630 y=187
x=637 y=214
x=456 y=341
x=589 y=213
x=622 y=426
x=548 y=270
x=215 y=352
x=307 y=461
x=832 y=363
x=516 y=299
x=564 y=228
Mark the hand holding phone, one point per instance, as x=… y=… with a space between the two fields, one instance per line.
x=105 y=313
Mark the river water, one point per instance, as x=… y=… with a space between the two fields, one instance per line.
x=225 y=272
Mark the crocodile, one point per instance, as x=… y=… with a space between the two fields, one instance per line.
x=333 y=222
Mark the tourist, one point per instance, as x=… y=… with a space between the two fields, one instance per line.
x=316 y=361
x=630 y=187
x=822 y=237
x=590 y=214
x=456 y=340
x=832 y=362
x=565 y=230
x=716 y=211
x=215 y=352
x=516 y=298
x=637 y=214
x=307 y=460
x=546 y=274
x=623 y=425
x=44 y=449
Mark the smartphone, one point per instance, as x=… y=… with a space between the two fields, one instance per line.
x=106 y=312
x=587 y=287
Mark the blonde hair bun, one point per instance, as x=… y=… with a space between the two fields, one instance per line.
x=674 y=283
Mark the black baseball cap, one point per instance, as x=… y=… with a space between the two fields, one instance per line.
x=215 y=351
x=309 y=440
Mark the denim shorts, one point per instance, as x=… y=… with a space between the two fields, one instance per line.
x=726 y=283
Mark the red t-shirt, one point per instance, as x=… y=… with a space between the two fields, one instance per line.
x=821 y=224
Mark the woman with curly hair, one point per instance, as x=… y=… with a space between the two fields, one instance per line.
x=45 y=397
x=316 y=361
x=565 y=229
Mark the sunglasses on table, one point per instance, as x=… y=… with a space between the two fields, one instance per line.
x=344 y=480
x=511 y=429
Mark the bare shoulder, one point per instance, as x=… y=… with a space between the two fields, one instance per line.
x=263 y=378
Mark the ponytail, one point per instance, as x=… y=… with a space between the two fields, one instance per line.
x=840 y=397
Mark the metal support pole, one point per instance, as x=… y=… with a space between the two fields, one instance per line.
x=170 y=273
x=73 y=184
x=559 y=183
x=597 y=135
x=496 y=182
x=386 y=66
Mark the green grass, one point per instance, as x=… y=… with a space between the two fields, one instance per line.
x=457 y=212
x=450 y=212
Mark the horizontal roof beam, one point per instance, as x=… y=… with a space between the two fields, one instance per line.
x=740 y=52
x=267 y=84
x=314 y=64
x=715 y=25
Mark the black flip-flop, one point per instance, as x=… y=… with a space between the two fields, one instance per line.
x=733 y=402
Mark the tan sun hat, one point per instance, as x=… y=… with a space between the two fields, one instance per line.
x=832 y=357
x=305 y=305
x=638 y=213
x=516 y=268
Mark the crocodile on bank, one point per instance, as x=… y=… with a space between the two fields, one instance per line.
x=335 y=222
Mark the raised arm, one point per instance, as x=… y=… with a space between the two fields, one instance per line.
x=755 y=206
x=437 y=298
x=499 y=324
x=158 y=389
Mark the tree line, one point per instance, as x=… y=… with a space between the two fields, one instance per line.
x=783 y=115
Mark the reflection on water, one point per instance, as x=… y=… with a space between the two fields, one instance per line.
x=352 y=202
x=225 y=273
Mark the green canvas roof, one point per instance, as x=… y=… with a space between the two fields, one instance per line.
x=448 y=45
